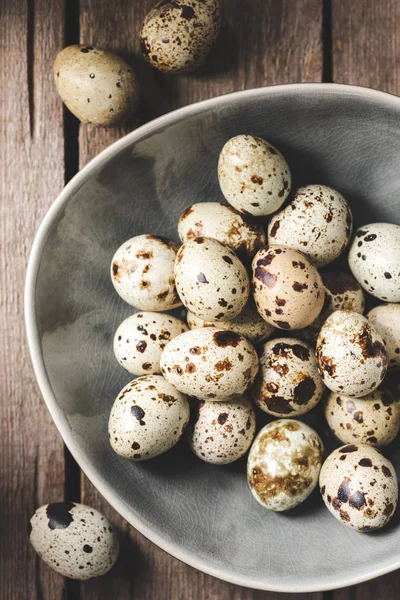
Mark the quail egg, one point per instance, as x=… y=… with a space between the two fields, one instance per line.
x=351 y=354
x=386 y=320
x=359 y=486
x=253 y=175
x=284 y=464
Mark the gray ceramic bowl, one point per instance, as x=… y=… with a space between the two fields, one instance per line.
x=342 y=136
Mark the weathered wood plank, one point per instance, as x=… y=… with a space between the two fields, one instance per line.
x=31 y=175
x=275 y=41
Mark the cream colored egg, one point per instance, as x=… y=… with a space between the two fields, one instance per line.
x=287 y=288
x=253 y=175
x=351 y=354
x=210 y=364
x=97 y=86
x=142 y=272
x=210 y=279
x=284 y=464
x=288 y=382
x=359 y=487
x=221 y=432
x=386 y=320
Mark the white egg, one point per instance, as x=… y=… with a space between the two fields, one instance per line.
x=140 y=339
x=351 y=354
x=253 y=175
x=318 y=222
x=359 y=486
x=221 y=432
x=386 y=320
x=284 y=464
x=210 y=364
x=210 y=279
x=148 y=417
x=374 y=260
x=142 y=272
x=288 y=382
x=73 y=539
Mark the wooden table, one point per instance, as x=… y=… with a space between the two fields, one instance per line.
x=263 y=42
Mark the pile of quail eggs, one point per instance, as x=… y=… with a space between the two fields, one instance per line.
x=272 y=324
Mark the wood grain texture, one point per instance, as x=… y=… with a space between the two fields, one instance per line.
x=272 y=41
x=31 y=176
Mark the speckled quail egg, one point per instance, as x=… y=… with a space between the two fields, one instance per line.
x=97 y=86
x=253 y=175
x=351 y=355
x=221 y=432
x=177 y=35
x=359 y=486
x=142 y=271
x=249 y=324
x=288 y=381
x=148 y=417
x=374 y=260
x=287 y=288
x=318 y=222
x=284 y=464
x=386 y=320
x=373 y=419
x=210 y=364
x=140 y=339
x=73 y=539
x=210 y=279
x=223 y=223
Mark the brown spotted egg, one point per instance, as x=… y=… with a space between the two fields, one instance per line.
x=221 y=432
x=222 y=223
x=253 y=175
x=386 y=320
x=359 y=486
x=210 y=364
x=288 y=382
x=210 y=279
x=287 y=288
x=374 y=259
x=373 y=419
x=284 y=464
x=351 y=355
x=249 y=324
x=73 y=539
x=140 y=339
x=177 y=35
x=148 y=417
x=318 y=222
x=142 y=272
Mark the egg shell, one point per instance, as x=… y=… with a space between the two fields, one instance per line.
x=177 y=36
x=253 y=175
x=374 y=259
x=249 y=324
x=140 y=339
x=221 y=432
x=210 y=279
x=73 y=539
x=222 y=223
x=288 y=382
x=148 y=417
x=359 y=486
x=210 y=364
x=287 y=288
x=284 y=463
x=318 y=222
x=351 y=355
x=142 y=272
x=97 y=86
x=386 y=320
x=373 y=419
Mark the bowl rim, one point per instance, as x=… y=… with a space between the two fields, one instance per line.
x=35 y=348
